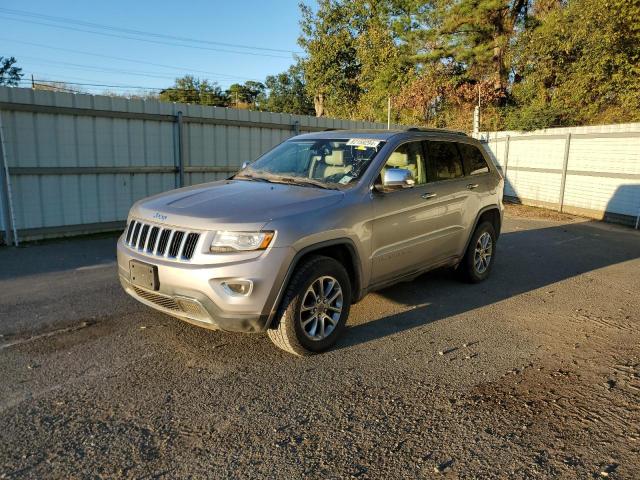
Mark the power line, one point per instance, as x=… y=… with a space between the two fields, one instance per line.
x=113 y=57
x=143 y=39
x=102 y=85
x=139 y=73
x=40 y=80
x=72 y=21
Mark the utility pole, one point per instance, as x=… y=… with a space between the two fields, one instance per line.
x=389 y=112
x=33 y=82
x=476 y=115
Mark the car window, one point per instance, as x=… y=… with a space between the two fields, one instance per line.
x=331 y=162
x=409 y=156
x=474 y=161
x=445 y=160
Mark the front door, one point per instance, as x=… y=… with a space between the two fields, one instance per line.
x=405 y=224
x=416 y=228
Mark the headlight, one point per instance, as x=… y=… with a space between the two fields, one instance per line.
x=224 y=242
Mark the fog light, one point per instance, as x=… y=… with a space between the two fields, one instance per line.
x=238 y=288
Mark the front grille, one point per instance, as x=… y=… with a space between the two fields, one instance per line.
x=130 y=231
x=143 y=236
x=153 y=236
x=176 y=243
x=136 y=232
x=190 y=245
x=160 y=300
x=163 y=242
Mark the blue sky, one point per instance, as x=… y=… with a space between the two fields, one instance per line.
x=73 y=54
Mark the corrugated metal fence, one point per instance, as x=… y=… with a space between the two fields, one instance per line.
x=76 y=163
x=588 y=171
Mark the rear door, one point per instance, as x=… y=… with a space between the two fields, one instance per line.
x=480 y=179
x=451 y=201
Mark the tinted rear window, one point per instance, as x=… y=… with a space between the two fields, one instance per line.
x=445 y=160
x=475 y=163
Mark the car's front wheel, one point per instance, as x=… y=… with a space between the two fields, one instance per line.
x=315 y=307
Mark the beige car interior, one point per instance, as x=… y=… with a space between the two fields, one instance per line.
x=449 y=170
x=332 y=164
x=407 y=159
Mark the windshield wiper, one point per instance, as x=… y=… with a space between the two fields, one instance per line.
x=305 y=181
x=248 y=176
x=272 y=178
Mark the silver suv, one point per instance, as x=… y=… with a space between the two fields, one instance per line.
x=291 y=241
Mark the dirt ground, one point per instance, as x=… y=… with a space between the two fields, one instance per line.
x=532 y=374
x=524 y=211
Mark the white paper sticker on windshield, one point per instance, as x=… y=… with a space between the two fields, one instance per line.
x=346 y=179
x=364 y=142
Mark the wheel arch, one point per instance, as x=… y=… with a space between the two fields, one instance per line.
x=490 y=213
x=341 y=249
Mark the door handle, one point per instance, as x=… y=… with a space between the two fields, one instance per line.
x=471 y=186
x=428 y=195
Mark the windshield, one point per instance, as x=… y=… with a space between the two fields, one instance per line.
x=327 y=163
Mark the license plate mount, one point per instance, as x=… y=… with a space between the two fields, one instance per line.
x=144 y=275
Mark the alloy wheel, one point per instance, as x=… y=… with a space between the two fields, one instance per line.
x=482 y=254
x=321 y=308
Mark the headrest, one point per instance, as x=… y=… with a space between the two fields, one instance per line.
x=336 y=158
x=398 y=159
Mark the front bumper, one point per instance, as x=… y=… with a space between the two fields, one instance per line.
x=193 y=292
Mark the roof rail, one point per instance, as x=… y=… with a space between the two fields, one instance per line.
x=436 y=130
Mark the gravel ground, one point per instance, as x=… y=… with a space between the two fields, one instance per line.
x=534 y=373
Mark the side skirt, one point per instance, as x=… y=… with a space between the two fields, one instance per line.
x=412 y=275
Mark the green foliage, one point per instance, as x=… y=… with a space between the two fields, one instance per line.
x=331 y=67
x=189 y=89
x=10 y=75
x=475 y=34
x=530 y=63
x=354 y=58
x=287 y=93
x=247 y=93
x=579 y=65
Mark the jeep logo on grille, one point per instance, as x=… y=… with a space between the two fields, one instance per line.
x=159 y=216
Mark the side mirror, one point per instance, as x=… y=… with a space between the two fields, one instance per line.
x=245 y=165
x=397 y=178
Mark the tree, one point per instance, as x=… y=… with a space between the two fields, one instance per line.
x=354 y=58
x=578 y=64
x=189 y=89
x=384 y=60
x=463 y=52
x=286 y=93
x=475 y=34
x=331 y=67
x=10 y=75
x=246 y=94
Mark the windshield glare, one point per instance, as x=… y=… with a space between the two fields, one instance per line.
x=328 y=161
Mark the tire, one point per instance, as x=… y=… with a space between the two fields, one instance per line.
x=305 y=312
x=480 y=256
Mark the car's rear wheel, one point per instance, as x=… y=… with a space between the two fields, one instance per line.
x=314 y=309
x=480 y=255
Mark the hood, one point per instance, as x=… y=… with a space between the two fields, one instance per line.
x=239 y=202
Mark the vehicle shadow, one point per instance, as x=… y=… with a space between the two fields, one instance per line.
x=526 y=260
